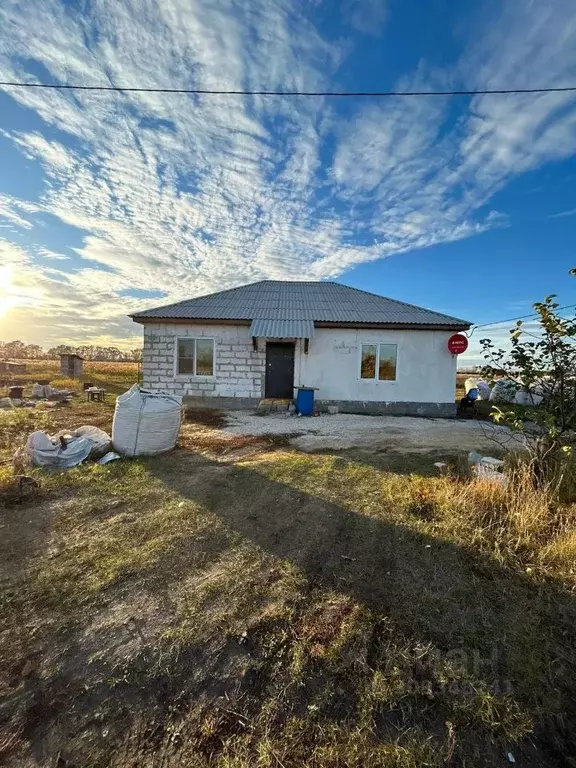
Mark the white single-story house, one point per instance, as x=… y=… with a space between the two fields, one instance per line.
x=362 y=352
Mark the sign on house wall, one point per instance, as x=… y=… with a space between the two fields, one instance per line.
x=457 y=344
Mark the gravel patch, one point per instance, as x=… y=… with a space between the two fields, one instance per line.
x=402 y=433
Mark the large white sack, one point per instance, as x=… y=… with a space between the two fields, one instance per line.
x=527 y=398
x=42 y=451
x=146 y=423
x=484 y=389
x=101 y=441
x=504 y=391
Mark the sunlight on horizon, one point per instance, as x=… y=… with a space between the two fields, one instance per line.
x=8 y=297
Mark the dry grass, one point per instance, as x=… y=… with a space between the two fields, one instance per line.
x=242 y=605
x=115 y=377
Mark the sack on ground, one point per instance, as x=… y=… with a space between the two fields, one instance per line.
x=101 y=441
x=523 y=397
x=146 y=423
x=484 y=389
x=503 y=391
x=45 y=451
x=66 y=448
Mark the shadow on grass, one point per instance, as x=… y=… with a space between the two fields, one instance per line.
x=399 y=462
x=432 y=590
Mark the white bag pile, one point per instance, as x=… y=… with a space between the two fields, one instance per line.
x=524 y=397
x=503 y=391
x=146 y=423
x=66 y=449
x=101 y=441
x=484 y=389
x=41 y=391
x=47 y=392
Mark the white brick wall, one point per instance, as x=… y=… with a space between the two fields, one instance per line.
x=238 y=369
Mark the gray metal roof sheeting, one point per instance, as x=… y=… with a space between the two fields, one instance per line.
x=282 y=329
x=321 y=302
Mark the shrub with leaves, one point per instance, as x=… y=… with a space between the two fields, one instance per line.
x=541 y=364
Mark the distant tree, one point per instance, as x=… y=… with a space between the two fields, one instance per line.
x=34 y=352
x=20 y=351
x=62 y=349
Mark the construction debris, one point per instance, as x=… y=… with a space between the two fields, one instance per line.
x=66 y=449
x=487 y=468
x=110 y=456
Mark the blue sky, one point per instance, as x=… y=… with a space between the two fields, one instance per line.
x=114 y=202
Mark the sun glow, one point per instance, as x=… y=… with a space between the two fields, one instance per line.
x=8 y=295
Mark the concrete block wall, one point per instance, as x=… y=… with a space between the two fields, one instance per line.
x=238 y=369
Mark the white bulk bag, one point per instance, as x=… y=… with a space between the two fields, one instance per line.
x=146 y=423
x=484 y=389
x=503 y=391
x=527 y=398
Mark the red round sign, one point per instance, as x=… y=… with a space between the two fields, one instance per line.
x=457 y=344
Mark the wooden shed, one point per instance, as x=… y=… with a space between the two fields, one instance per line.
x=16 y=368
x=72 y=366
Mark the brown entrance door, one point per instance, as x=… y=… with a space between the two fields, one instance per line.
x=279 y=370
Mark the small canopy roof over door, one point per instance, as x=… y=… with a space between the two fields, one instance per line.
x=263 y=328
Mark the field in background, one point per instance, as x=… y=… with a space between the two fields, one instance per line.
x=115 y=377
x=239 y=604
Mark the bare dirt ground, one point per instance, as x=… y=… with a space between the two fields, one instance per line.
x=400 y=433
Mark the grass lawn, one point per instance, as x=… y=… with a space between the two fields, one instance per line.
x=240 y=604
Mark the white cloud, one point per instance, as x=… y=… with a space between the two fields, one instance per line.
x=45 y=253
x=191 y=194
x=366 y=16
x=563 y=214
x=51 y=153
x=11 y=210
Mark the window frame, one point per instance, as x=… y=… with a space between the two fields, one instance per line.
x=372 y=343
x=194 y=375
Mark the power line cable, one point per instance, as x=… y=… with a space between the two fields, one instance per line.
x=512 y=319
x=340 y=94
x=520 y=317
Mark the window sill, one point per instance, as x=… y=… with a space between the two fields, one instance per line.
x=378 y=381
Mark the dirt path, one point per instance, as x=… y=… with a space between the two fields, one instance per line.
x=401 y=433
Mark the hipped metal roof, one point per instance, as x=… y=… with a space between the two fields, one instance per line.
x=314 y=302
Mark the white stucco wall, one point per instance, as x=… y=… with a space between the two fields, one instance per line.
x=426 y=371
